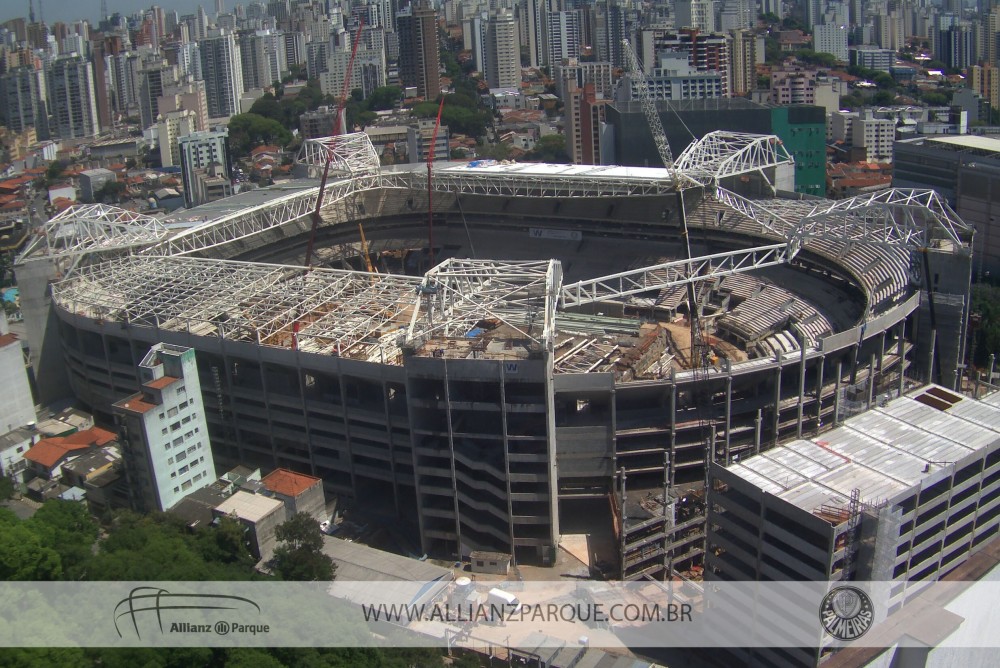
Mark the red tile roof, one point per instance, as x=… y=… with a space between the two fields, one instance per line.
x=50 y=451
x=134 y=404
x=7 y=339
x=288 y=483
x=161 y=383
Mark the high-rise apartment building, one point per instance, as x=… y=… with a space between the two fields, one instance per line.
x=17 y=409
x=223 y=76
x=563 y=36
x=706 y=52
x=199 y=151
x=584 y=113
x=186 y=95
x=573 y=71
x=985 y=80
x=163 y=432
x=695 y=14
x=154 y=77
x=169 y=129
x=23 y=100
x=262 y=58
x=744 y=50
x=503 y=54
x=419 y=60
x=831 y=38
x=368 y=73
x=72 y=99
x=608 y=32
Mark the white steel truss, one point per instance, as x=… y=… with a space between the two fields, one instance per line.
x=773 y=220
x=457 y=294
x=88 y=228
x=351 y=154
x=523 y=181
x=909 y=218
x=275 y=213
x=677 y=272
x=335 y=312
x=720 y=154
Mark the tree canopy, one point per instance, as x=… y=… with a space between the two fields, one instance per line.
x=300 y=555
x=249 y=130
x=550 y=148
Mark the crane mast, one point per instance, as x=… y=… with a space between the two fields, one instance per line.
x=649 y=108
x=698 y=348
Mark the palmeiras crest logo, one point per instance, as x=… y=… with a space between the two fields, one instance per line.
x=846 y=613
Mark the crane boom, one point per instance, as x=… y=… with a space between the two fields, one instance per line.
x=649 y=107
x=316 y=218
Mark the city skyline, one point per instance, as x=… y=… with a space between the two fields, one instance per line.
x=68 y=11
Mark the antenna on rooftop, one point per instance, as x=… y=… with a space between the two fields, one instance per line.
x=31 y=11
x=104 y=10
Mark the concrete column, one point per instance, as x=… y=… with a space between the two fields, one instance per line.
x=930 y=357
x=621 y=548
x=989 y=374
x=729 y=407
x=777 y=399
x=819 y=393
x=802 y=385
x=836 y=394
x=871 y=381
x=900 y=353
x=756 y=433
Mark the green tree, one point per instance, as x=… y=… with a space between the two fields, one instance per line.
x=6 y=488
x=884 y=81
x=249 y=130
x=67 y=528
x=300 y=555
x=550 y=148
x=110 y=192
x=55 y=170
x=268 y=107
x=23 y=557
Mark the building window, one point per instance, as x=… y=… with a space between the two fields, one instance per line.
x=186 y=419
x=175 y=426
x=172 y=412
x=186 y=485
x=179 y=441
x=183 y=405
x=170 y=460
x=163 y=431
x=181 y=456
x=192 y=449
x=182 y=470
x=176 y=489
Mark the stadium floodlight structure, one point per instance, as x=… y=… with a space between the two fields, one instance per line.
x=722 y=154
x=92 y=228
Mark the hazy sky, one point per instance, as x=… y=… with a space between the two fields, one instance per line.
x=72 y=10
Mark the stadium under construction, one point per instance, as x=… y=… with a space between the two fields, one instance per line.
x=561 y=353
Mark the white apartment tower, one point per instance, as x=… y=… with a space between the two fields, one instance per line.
x=200 y=150
x=164 y=435
x=503 y=59
x=223 y=75
x=18 y=408
x=563 y=36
